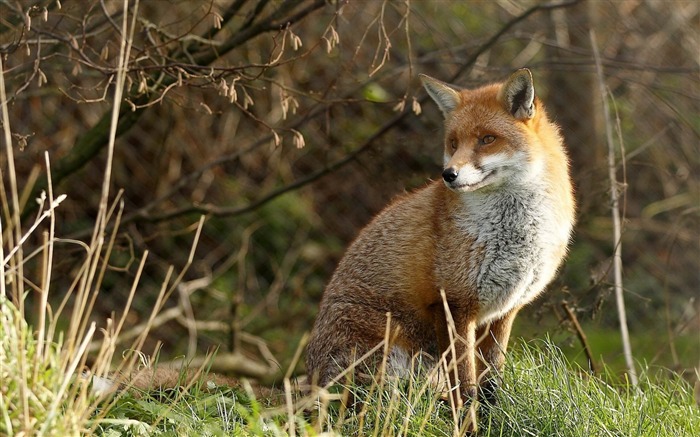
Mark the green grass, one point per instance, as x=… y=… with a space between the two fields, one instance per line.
x=33 y=381
x=542 y=394
x=679 y=352
x=196 y=413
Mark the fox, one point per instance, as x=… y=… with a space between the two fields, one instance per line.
x=489 y=237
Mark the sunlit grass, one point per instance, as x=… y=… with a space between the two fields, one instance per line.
x=34 y=382
x=542 y=394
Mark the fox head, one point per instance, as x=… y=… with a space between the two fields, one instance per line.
x=490 y=132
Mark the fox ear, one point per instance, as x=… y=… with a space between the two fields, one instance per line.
x=518 y=95
x=446 y=97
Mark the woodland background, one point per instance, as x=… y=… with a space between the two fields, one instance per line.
x=289 y=124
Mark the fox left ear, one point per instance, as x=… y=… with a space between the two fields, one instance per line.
x=446 y=97
x=518 y=95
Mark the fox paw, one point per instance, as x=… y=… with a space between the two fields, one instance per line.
x=488 y=391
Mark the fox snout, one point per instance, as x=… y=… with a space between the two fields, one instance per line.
x=449 y=175
x=468 y=177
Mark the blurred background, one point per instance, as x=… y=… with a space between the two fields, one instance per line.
x=289 y=124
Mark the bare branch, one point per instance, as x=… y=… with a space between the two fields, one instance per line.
x=215 y=210
x=617 y=227
x=94 y=140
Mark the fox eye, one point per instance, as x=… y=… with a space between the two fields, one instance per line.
x=488 y=139
x=453 y=144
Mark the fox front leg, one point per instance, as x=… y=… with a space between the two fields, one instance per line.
x=466 y=364
x=490 y=354
x=458 y=351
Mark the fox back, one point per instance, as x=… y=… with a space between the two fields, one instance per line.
x=491 y=234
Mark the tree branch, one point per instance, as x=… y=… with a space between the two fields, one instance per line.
x=220 y=211
x=95 y=139
x=491 y=41
x=617 y=226
x=270 y=23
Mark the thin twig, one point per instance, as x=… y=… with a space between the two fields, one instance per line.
x=582 y=337
x=617 y=227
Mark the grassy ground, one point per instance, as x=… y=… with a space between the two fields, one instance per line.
x=542 y=395
x=679 y=353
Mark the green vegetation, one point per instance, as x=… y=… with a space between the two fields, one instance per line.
x=542 y=394
x=194 y=413
x=33 y=381
x=677 y=352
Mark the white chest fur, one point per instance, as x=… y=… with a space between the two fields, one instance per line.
x=519 y=238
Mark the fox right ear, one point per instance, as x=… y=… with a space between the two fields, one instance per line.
x=518 y=95
x=446 y=97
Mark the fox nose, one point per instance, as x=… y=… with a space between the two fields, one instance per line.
x=449 y=174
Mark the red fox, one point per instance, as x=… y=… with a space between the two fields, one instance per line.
x=491 y=234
